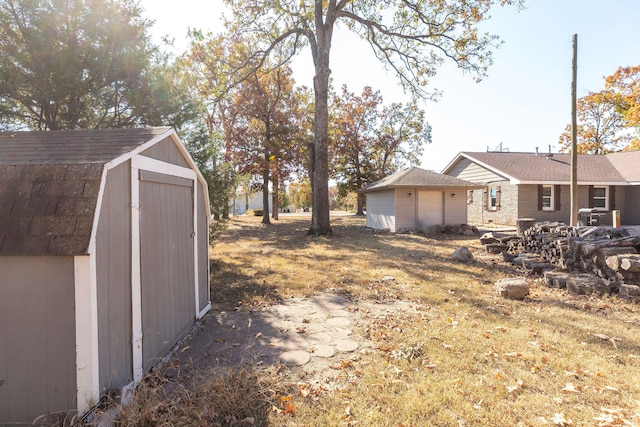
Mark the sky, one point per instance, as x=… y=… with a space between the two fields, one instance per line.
x=524 y=103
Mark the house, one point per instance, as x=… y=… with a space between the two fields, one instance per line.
x=103 y=263
x=532 y=185
x=416 y=199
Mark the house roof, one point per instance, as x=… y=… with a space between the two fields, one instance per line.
x=531 y=168
x=49 y=186
x=416 y=177
x=627 y=163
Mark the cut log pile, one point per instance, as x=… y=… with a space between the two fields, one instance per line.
x=566 y=254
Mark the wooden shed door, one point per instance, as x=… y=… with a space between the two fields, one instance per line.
x=167 y=263
x=430 y=208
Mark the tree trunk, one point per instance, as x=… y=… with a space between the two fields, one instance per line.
x=320 y=222
x=265 y=189
x=274 y=197
x=360 y=204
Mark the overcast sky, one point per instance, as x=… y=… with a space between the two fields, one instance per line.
x=525 y=101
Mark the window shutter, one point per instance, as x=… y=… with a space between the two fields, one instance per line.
x=556 y=198
x=612 y=197
x=485 y=198
x=498 y=194
x=591 y=196
x=540 y=192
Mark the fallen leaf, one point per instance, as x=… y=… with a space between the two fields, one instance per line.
x=560 y=420
x=570 y=388
x=304 y=389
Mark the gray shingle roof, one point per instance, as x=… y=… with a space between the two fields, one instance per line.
x=532 y=168
x=416 y=177
x=627 y=163
x=49 y=185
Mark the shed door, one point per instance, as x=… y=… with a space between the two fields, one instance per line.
x=430 y=208
x=166 y=263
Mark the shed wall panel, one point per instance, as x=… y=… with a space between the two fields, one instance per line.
x=405 y=203
x=166 y=151
x=455 y=207
x=203 y=249
x=167 y=272
x=473 y=172
x=113 y=268
x=37 y=337
x=381 y=210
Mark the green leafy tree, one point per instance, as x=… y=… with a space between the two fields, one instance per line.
x=411 y=37
x=81 y=64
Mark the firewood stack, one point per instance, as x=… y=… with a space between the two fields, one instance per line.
x=609 y=255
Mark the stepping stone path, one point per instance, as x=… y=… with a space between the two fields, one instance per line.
x=298 y=332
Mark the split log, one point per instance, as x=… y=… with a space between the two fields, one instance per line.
x=588 y=249
x=556 y=279
x=581 y=284
x=630 y=292
x=615 y=253
x=495 y=248
x=630 y=263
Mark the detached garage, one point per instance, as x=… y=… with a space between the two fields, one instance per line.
x=103 y=263
x=416 y=199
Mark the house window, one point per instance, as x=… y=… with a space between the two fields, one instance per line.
x=493 y=198
x=547 y=198
x=470 y=197
x=600 y=198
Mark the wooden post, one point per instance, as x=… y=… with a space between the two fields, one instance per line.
x=574 y=135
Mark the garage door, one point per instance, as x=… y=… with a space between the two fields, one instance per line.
x=430 y=208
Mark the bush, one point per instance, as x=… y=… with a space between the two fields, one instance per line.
x=257 y=212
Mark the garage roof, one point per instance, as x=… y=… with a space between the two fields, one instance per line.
x=415 y=177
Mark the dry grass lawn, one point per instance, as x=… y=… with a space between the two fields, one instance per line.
x=468 y=358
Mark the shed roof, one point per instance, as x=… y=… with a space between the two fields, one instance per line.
x=49 y=186
x=526 y=168
x=416 y=177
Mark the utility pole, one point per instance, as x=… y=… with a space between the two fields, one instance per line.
x=574 y=135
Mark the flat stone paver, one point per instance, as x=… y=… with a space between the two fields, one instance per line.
x=295 y=357
x=346 y=346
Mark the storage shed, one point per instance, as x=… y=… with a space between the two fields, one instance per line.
x=103 y=262
x=416 y=199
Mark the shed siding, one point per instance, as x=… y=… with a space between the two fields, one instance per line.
x=470 y=171
x=113 y=268
x=203 y=249
x=455 y=207
x=167 y=266
x=166 y=151
x=37 y=337
x=405 y=209
x=381 y=210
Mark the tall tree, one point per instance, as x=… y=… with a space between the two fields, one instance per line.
x=264 y=138
x=600 y=126
x=78 y=64
x=609 y=120
x=412 y=37
x=353 y=132
x=370 y=141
